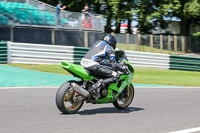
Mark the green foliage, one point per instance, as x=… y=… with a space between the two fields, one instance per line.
x=192 y=9
x=196 y=34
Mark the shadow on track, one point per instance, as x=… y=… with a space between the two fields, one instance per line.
x=108 y=110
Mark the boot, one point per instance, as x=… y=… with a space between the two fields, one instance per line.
x=93 y=90
x=101 y=83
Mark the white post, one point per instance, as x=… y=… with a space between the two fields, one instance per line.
x=183 y=43
x=127 y=41
x=86 y=39
x=175 y=43
x=53 y=36
x=161 y=43
x=169 y=43
x=151 y=42
x=139 y=42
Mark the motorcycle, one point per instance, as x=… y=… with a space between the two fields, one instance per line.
x=72 y=94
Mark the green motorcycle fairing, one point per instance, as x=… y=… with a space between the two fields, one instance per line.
x=114 y=89
x=77 y=70
x=111 y=97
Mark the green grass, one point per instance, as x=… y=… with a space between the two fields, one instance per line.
x=143 y=48
x=142 y=75
x=167 y=77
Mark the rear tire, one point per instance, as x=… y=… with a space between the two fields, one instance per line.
x=128 y=101
x=63 y=96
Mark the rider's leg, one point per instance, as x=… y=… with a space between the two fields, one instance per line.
x=103 y=71
x=106 y=72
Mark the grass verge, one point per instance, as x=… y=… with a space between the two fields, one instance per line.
x=142 y=75
x=143 y=48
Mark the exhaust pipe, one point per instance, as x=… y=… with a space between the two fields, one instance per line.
x=80 y=90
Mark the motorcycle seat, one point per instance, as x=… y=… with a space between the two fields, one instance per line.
x=92 y=74
x=89 y=73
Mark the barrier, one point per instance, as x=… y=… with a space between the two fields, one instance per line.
x=51 y=54
x=184 y=63
x=79 y=52
x=44 y=54
x=148 y=60
x=39 y=53
x=3 y=52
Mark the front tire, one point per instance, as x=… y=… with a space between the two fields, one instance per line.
x=126 y=101
x=64 y=97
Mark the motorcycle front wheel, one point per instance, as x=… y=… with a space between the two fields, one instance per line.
x=64 y=99
x=125 y=99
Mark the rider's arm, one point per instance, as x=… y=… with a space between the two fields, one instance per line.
x=111 y=56
x=106 y=64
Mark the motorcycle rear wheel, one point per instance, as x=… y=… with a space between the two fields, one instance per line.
x=126 y=101
x=64 y=100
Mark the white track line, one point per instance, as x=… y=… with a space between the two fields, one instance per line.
x=191 y=130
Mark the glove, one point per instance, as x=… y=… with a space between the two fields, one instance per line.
x=116 y=67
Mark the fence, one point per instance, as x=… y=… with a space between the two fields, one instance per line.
x=42 y=36
x=168 y=44
x=31 y=13
x=3 y=52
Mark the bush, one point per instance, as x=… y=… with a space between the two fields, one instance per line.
x=196 y=34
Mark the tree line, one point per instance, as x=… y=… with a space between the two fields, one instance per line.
x=148 y=13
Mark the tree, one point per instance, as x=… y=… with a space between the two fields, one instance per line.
x=122 y=10
x=143 y=15
x=151 y=13
x=129 y=14
x=118 y=9
x=188 y=11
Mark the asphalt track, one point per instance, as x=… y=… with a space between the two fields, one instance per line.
x=154 y=110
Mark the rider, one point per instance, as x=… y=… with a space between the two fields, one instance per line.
x=94 y=61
